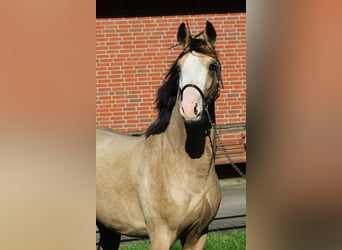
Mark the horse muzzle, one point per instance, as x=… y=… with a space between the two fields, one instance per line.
x=191 y=111
x=191 y=106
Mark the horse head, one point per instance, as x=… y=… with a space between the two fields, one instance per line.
x=194 y=79
x=199 y=72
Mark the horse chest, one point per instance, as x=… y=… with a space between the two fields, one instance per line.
x=180 y=202
x=195 y=212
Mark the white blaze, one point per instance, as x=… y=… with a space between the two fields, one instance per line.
x=192 y=72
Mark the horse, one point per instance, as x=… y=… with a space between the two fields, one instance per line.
x=163 y=184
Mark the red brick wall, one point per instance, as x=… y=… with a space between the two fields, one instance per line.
x=133 y=57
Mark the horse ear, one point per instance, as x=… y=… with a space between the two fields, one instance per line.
x=183 y=36
x=209 y=34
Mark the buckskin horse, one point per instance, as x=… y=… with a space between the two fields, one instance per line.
x=163 y=184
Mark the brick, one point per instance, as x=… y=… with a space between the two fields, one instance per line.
x=132 y=62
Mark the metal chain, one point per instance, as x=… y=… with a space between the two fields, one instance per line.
x=222 y=147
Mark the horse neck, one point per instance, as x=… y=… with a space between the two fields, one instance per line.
x=195 y=140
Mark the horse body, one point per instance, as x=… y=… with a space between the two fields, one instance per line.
x=162 y=184
x=184 y=191
x=155 y=190
x=116 y=175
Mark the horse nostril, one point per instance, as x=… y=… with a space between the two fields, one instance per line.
x=196 y=109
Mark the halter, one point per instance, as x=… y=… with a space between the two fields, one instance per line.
x=209 y=99
x=212 y=96
x=191 y=85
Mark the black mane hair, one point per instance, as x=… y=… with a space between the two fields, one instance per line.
x=166 y=99
x=167 y=93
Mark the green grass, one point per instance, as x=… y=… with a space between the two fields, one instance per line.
x=215 y=241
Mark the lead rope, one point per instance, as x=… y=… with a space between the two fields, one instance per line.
x=222 y=147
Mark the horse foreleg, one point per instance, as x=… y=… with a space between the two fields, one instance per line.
x=162 y=239
x=109 y=240
x=190 y=242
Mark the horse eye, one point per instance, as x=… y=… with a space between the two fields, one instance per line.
x=177 y=68
x=213 y=66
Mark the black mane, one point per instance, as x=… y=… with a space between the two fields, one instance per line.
x=167 y=93
x=166 y=99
